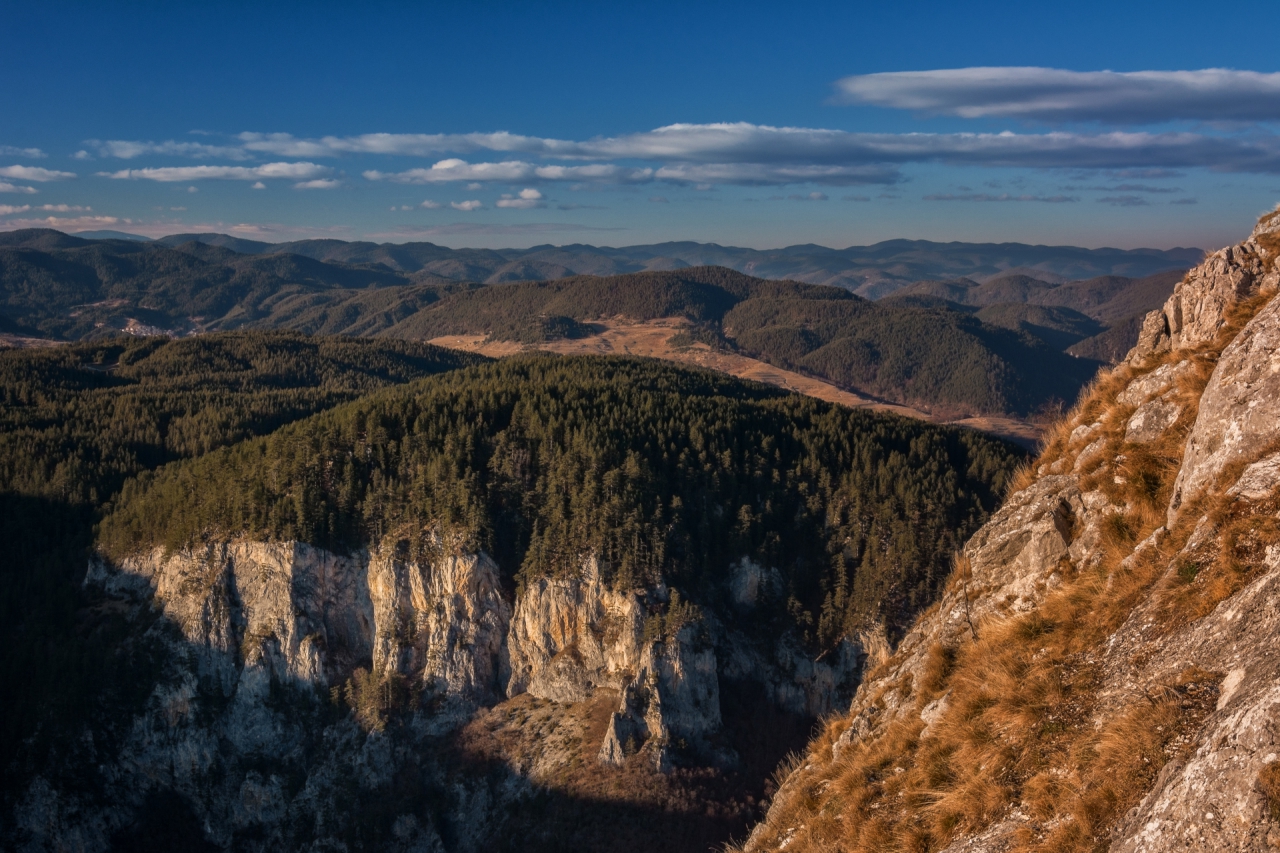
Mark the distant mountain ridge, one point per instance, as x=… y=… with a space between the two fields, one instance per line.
x=956 y=346
x=871 y=271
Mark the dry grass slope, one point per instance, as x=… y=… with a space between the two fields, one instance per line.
x=1014 y=730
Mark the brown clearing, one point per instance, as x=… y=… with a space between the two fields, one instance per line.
x=650 y=339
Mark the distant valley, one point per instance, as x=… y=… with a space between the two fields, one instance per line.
x=955 y=331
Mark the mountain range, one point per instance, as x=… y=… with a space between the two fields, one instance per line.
x=956 y=347
x=870 y=271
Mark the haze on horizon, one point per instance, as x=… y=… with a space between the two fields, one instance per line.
x=744 y=125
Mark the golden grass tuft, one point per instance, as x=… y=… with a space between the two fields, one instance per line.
x=1269 y=782
x=1019 y=726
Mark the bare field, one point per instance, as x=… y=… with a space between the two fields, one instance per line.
x=650 y=339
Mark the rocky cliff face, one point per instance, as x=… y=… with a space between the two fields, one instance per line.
x=261 y=640
x=1101 y=671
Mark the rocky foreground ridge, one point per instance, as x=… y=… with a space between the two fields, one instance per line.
x=1103 y=670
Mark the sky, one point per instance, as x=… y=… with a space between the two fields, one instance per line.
x=746 y=124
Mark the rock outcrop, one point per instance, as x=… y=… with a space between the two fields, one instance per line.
x=572 y=636
x=1198 y=308
x=1239 y=410
x=1159 y=502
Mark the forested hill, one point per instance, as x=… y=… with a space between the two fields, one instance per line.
x=664 y=473
x=669 y=476
x=941 y=360
x=952 y=349
x=75 y=423
x=871 y=271
x=930 y=357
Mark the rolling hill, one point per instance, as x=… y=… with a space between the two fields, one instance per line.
x=954 y=347
x=872 y=271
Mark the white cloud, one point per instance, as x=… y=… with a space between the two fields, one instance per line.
x=178 y=174
x=11 y=151
x=603 y=172
x=431 y=205
x=401 y=144
x=317 y=184
x=258 y=185
x=750 y=154
x=1212 y=94
x=34 y=173
x=10 y=209
x=705 y=155
x=6 y=187
x=454 y=169
x=475 y=185
x=82 y=155
x=64 y=208
x=473 y=204
x=193 y=189
x=528 y=198
x=124 y=149
x=512 y=171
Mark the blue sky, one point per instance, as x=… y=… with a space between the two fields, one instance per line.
x=745 y=124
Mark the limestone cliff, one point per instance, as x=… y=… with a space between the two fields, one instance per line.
x=1101 y=669
x=261 y=639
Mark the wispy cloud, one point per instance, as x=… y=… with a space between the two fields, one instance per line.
x=1054 y=94
x=10 y=209
x=64 y=208
x=1051 y=199
x=403 y=144
x=1124 y=201
x=317 y=184
x=468 y=206
x=467 y=228
x=65 y=223
x=6 y=187
x=510 y=171
x=124 y=149
x=750 y=154
x=1125 y=188
x=815 y=196
x=773 y=174
x=11 y=151
x=178 y=174
x=528 y=198
x=34 y=173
